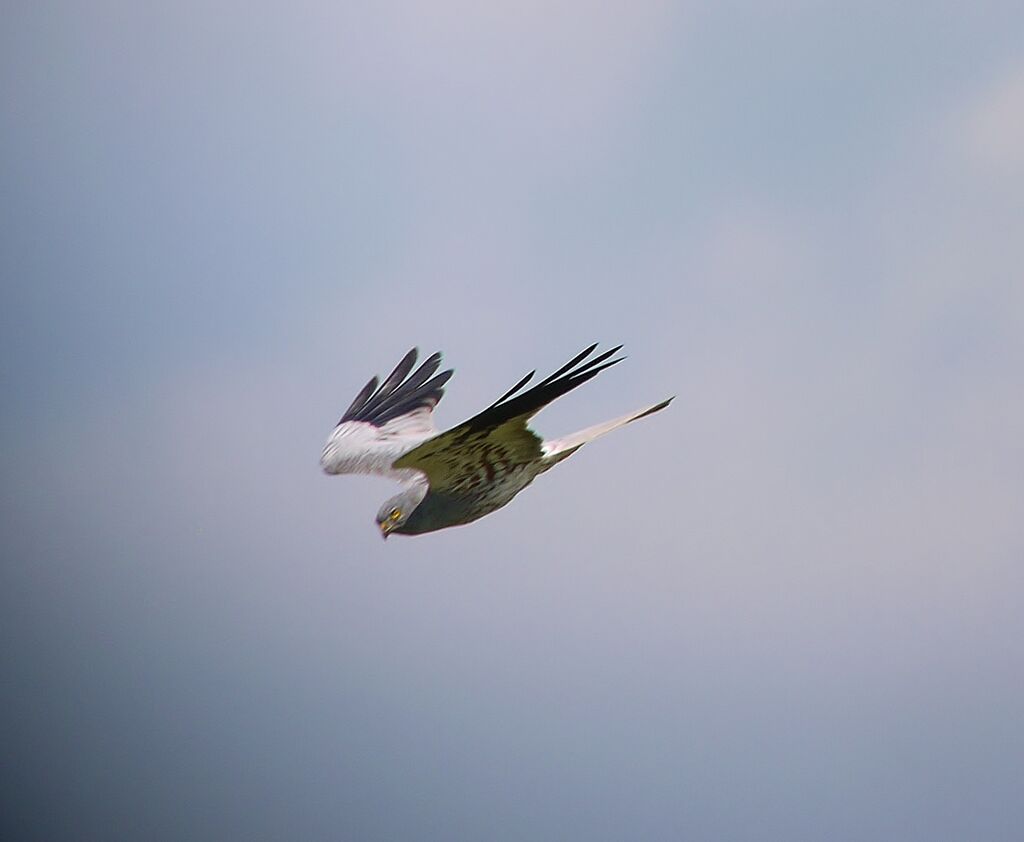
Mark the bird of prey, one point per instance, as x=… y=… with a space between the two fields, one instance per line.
x=455 y=477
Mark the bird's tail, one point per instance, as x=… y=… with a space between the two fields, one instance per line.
x=556 y=450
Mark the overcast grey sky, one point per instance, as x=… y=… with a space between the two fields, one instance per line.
x=788 y=608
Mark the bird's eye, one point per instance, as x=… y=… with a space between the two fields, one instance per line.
x=395 y=514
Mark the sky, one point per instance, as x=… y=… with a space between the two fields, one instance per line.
x=787 y=608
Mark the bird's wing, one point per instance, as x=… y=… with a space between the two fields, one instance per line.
x=387 y=421
x=498 y=440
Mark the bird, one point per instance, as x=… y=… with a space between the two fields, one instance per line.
x=458 y=476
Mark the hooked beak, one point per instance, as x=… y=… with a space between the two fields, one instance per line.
x=383 y=530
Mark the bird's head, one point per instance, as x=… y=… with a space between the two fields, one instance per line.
x=396 y=511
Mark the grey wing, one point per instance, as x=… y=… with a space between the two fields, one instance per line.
x=384 y=422
x=497 y=442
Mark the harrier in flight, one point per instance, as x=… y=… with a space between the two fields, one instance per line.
x=471 y=470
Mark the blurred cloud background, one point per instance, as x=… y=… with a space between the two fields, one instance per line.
x=789 y=608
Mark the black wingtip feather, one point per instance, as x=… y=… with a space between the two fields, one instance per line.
x=401 y=393
x=582 y=355
x=393 y=381
x=515 y=388
x=574 y=373
x=360 y=399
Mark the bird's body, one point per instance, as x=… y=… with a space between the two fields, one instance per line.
x=458 y=476
x=441 y=509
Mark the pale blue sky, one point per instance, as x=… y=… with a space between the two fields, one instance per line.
x=786 y=609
